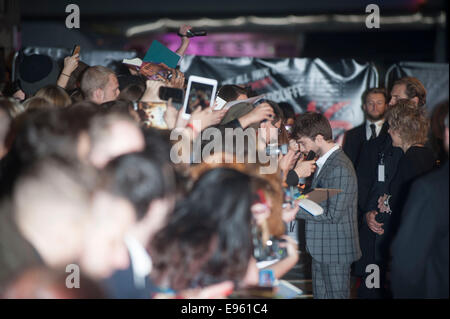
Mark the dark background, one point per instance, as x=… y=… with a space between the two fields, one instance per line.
x=104 y=23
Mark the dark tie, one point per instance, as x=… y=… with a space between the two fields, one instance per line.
x=374 y=133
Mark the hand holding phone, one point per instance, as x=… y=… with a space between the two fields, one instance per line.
x=200 y=92
x=311 y=155
x=71 y=62
x=166 y=93
x=197 y=33
x=76 y=50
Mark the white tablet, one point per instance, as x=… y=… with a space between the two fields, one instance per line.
x=200 y=92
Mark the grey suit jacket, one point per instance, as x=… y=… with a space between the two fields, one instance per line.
x=333 y=236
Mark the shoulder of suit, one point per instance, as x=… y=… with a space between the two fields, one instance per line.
x=357 y=130
x=338 y=157
x=435 y=177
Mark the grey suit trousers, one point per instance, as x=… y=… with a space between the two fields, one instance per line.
x=330 y=281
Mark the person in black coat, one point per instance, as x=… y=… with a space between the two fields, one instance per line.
x=420 y=251
x=377 y=155
x=369 y=145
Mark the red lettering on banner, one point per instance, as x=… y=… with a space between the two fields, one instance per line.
x=260 y=84
x=311 y=107
x=333 y=109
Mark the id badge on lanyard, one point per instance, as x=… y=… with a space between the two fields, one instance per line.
x=381 y=172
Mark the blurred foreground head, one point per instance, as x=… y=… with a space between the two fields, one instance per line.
x=5 y=126
x=111 y=135
x=208 y=237
x=45 y=283
x=51 y=208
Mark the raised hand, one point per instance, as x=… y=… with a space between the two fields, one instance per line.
x=260 y=113
x=151 y=93
x=202 y=119
x=70 y=64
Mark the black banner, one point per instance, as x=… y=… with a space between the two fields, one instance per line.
x=333 y=88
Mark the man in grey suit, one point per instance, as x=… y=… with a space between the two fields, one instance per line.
x=331 y=238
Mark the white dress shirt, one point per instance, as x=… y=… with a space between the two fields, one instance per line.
x=140 y=259
x=378 y=127
x=324 y=158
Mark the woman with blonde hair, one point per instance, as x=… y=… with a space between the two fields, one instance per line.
x=408 y=127
x=55 y=95
x=13 y=106
x=36 y=102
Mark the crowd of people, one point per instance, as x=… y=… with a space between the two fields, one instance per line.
x=88 y=186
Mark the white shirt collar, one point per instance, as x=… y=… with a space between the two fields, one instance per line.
x=140 y=259
x=378 y=127
x=324 y=157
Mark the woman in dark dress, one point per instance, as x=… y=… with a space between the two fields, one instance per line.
x=408 y=127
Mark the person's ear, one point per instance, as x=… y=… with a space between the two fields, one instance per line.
x=99 y=94
x=83 y=146
x=319 y=139
x=415 y=100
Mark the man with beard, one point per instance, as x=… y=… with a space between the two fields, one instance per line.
x=409 y=88
x=374 y=107
x=362 y=145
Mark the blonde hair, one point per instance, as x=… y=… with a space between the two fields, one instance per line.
x=95 y=77
x=56 y=95
x=36 y=102
x=14 y=107
x=409 y=121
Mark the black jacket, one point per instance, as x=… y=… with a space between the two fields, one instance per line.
x=353 y=142
x=416 y=162
x=16 y=253
x=370 y=189
x=420 y=251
